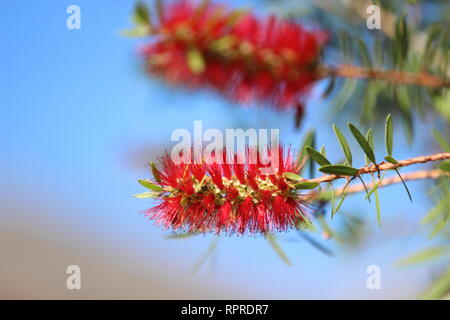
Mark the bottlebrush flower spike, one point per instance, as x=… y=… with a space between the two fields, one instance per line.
x=245 y=58
x=230 y=195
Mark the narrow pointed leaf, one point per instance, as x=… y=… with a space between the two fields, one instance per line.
x=276 y=247
x=333 y=199
x=377 y=206
x=205 y=255
x=293 y=176
x=439 y=288
x=309 y=141
x=317 y=156
x=435 y=212
x=150 y=185
x=404 y=184
x=339 y=169
x=306 y=185
x=390 y=160
x=141 y=15
x=137 y=32
x=368 y=150
x=344 y=144
x=316 y=244
x=438 y=228
x=424 y=256
x=180 y=235
x=376 y=186
x=443 y=143
x=364 y=53
x=336 y=209
x=369 y=138
x=365 y=187
x=389 y=135
x=146 y=195
x=155 y=172
x=445 y=166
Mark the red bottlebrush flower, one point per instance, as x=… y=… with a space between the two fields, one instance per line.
x=251 y=197
x=245 y=58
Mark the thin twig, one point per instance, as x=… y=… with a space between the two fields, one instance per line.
x=395 y=76
x=383 y=166
x=416 y=175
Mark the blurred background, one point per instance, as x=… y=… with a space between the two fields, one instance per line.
x=79 y=121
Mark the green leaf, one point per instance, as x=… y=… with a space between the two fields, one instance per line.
x=333 y=199
x=141 y=15
x=306 y=185
x=379 y=50
x=377 y=205
x=404 y=184
x=205 y=255
x=146 y=195
x=369 y=138
x=345 y=46
x=435 y=212
x=137 y=32
x=375 y=187
x=336 y=209
x=308 y=141
x=195 y=61
x=439 y=288
x=344 y=144
x=339 y=169
x=364 y=53
x=368 y=150
x=389 y=135
x=329 y=87
x=443 y=143
x=275 y=246
x=316 y=244
x=365 y=187
x=317 y=156
x=402 y=40
x=424 y=256
x=155 y=172
x=438 y=227
x=150 y=185
x=293 y=176
x=445 y=166
x=370 y=97
x=349 y=88
x=181 y=235
x=390 y=160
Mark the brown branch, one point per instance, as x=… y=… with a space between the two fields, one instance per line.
x=383 y=166
x=395 y=76
x=416 y=175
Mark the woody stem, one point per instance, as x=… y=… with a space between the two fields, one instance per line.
x=395 y=76
x=383 y=166
x=416 y=175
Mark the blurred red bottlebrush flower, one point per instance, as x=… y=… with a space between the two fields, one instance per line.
x=246 y=58
x=229 y=196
